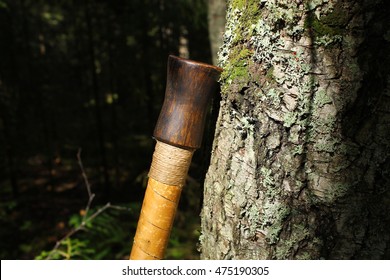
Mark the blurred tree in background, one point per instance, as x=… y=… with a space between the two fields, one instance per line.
x=84 y=74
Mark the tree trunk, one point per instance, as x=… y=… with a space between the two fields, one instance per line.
x=300 y=165
x=216 y=21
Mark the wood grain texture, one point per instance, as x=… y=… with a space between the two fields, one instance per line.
x=190 y=87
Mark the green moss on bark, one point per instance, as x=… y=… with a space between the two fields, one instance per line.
x=243 y=15
x=321 y=28
x=236 y=70
x=329 y=28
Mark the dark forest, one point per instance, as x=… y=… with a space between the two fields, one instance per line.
x=81 y=87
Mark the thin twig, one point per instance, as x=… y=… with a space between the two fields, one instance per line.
x=86 y=219
x=91 y=195
x=80 y=227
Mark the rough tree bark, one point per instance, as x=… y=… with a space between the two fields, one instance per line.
x=300 y=165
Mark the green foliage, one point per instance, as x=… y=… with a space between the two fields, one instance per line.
x=107 y=236
x=70 y=248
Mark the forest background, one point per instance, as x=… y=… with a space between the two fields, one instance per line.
x=81 y=86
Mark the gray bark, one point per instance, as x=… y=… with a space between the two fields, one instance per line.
x=300 y=163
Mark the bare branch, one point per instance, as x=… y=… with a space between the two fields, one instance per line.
x=86 y=219
x=91 y=195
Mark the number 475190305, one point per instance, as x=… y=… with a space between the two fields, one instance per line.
x=232 y=270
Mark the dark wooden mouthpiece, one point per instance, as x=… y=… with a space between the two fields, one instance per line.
x=190 y=87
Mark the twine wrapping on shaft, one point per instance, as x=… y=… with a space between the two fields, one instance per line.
x=190 y=87
x=167 y=176
x=170 y=164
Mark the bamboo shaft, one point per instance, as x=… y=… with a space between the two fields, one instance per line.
x=160 y=202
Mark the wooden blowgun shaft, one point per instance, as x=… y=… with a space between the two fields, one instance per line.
x=179 y=130
x=161 y=199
